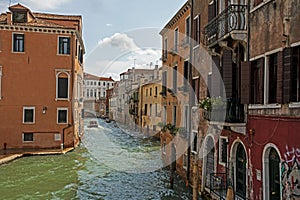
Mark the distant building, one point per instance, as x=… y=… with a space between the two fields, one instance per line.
x=95 y=94
x=41 y=77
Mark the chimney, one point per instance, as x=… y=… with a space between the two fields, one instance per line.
x=9 y=18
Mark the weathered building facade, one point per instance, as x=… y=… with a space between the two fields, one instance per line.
x=41 y=67
x=175 y=91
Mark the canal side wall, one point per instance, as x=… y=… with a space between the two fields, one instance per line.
x=7 y=156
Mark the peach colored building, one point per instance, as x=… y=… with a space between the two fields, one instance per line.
x=41 y=76
x=175 y=95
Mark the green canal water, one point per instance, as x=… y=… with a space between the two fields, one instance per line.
x=110 y=164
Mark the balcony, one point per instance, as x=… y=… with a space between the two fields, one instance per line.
x=232 y=112
x=230 y=22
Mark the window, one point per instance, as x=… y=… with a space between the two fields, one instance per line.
x=146 y=92
x=62 y=89
x=187 y=29
x=95 y=93
x=107 y=84
x=88 y=93
x=57 y=137
x=150 y=109
x=156 y=110
x=27 y=137
x=165 y=114
x=64 y=45
x=150 y=92
x=28 y=115
x=104 y=94
x=165 y=51
x=62 y=115
x=295 y=75
x=273 y=78
x=99 y=83
x=185 y=73
x=155 y=91
x=18 y=42
x=164 y=83
x=194 y=142
x=176 y=40
x=145 y=111
x=223 y=149
x=154 y=127
x=19 y=17
x=257 y=81
x=91 y=93
x=174 y=115
x=197 y=30
x=175 y=79
x=103 y=83
x=185 y=161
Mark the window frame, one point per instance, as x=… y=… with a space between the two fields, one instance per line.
x=13 y=43
x=194 y=135
x=27 y=141
x=176 y=39
x=221 y=161
x=57 y=86
x=57 y=115
x=68 y=53
x=33 y=117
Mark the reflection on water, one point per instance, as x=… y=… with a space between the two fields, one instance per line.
x=99 y=169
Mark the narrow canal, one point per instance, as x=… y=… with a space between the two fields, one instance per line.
x=110 y=164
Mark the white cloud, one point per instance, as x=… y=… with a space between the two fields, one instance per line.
x=118 y=53
x=119 y=40
x=44 y=5
x=109 y=25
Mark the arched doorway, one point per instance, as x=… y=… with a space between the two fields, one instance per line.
x=210 y=160
x=274 y=175
x=241 y=172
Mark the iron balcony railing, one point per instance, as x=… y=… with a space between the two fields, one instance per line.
x=231 y=112
x=233 y=18
x=218 y=184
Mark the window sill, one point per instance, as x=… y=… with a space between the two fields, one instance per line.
x=27 y=142
x=29 y=123
x=197 y=46
x=60 y=99
x=264 y=106
x=61 y=123
x=294 y=105
x=194 y=152
x=63 y=54
x=18 y=52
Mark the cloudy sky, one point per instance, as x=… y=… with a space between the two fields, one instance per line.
x=118 y=34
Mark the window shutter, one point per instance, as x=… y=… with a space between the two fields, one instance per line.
x=245 y=82
x=216 y=77
x=261 y=81
x=211 y=12
x=227 y=72
x=279 y=93
x=287 y=63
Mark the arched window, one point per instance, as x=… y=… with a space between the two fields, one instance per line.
x=62 y=85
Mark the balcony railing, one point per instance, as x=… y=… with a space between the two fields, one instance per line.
x=218 y=184
x=233 y=111
x=233 y=18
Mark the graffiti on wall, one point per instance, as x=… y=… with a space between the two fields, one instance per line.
x=291 y=174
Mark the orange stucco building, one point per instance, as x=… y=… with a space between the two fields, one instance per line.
x=41 y=75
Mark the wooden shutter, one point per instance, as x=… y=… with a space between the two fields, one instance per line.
x=216 y=77
x=227 y=72
x=287 y=63
x=211 y=11
x=261 y=63
x=245 y=82
x=279 y=93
